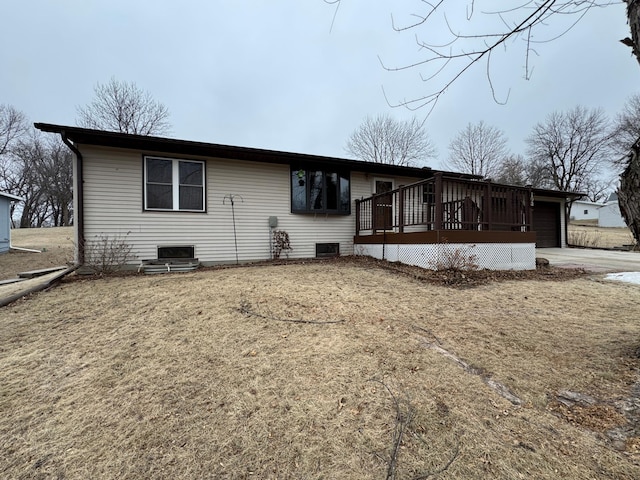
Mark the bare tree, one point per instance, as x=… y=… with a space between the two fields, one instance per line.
x=123 y=107
x=383 y=139
x=571 y=147
x=626 y=129
x=480 y=33
x=55 y=170
x=478 y=149
x=598 y=188
x=22 y=178
x=13 y=126
x=39 y=170
x=515 y=169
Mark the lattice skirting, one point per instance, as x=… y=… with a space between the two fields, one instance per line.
x=492 y=256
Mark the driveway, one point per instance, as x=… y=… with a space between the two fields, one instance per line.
x=592 y=259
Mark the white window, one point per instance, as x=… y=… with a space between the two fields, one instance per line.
x=173 y=184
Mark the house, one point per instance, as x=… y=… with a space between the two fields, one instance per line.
x=584 y=210
x=609 y=214
x=5 y=220
x=171 y=198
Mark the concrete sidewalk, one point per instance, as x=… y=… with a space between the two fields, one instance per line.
x=592 y=259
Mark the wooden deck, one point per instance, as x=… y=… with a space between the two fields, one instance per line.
x=453 y=208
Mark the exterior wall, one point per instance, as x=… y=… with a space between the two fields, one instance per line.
x=579 y=207
x=113 y=205
x=563 y=216
x=5 y=225
x=610 y=216
x=492 y=256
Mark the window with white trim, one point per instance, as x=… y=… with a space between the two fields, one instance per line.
x=172 y=184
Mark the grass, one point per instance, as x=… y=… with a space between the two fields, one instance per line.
x=205 y=375
x=584 y=235
x=55 y=244
x=210 y=374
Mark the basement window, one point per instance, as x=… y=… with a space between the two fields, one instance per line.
x=182 y=251
x=327 y=250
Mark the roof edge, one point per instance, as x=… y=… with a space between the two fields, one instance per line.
x=11 y=196
x=88 y=136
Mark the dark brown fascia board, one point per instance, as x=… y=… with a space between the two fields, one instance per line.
x=85 y=136
x=557 y=193
x=545 y=192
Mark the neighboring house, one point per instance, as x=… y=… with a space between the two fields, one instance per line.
x=170 y=198
x=584 y=210
x=5 y=220
x=609 y=213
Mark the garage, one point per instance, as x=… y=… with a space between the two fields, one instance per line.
x=546 y=224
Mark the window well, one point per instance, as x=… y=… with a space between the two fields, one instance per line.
x=327 y=250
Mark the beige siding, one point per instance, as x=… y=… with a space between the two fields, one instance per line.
x=113 y=183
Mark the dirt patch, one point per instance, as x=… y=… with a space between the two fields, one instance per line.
x=599 y=418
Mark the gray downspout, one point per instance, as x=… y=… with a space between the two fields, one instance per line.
x=79 y=215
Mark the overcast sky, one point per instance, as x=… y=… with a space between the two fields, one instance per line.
x=273 y=74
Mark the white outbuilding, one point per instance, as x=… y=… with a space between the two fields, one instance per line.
x=584 y=210
x=609 y=214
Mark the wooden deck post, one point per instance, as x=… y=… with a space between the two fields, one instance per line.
x=487 y=207
x=529 y=210
x=357 y=217
x=401 y=209
x=438 y=201
x=374 y=215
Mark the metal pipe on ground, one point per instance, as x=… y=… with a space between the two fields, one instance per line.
x=20 y=249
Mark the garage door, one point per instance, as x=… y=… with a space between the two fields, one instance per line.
x=546 y=224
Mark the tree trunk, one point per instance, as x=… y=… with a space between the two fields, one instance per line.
x=633 y=15
x=629 y=192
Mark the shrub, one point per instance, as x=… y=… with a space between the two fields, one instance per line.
x=280 y=244
x=107 y=254
x=456 y=259
x=582 y=238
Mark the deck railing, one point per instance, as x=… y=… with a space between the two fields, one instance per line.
x=446 y=203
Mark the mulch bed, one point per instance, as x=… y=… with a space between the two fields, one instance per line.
x=469 y=278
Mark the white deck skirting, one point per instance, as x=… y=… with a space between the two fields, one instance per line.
x=491 y=256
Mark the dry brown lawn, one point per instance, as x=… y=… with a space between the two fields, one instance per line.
x=586 y=235
x=55 y=244
x=204 y=375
